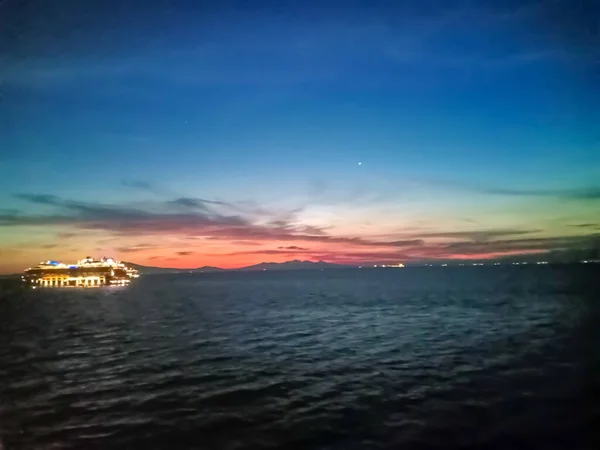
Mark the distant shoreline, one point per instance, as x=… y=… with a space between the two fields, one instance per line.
x=171 y=271
x=149 y=270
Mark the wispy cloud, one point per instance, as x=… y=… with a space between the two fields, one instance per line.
x=163 y=218
x=208 y=228
x=590 y=193
x=593 y=226
x=137 y=248
x=526 y=244
x=479 y=235
x=195 y=203
x=42 y=199
x=123 y=219
x=216 y=206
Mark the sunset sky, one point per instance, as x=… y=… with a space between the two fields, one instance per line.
x=184 y=134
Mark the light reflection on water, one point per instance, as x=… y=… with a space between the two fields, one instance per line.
x=341 y=359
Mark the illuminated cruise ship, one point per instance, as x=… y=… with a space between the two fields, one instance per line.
x=88 y=272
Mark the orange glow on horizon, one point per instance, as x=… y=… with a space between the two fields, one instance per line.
x=180 y=252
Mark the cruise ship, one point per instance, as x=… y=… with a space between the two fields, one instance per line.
x=88 y=272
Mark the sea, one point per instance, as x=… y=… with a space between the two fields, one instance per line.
x=499 y=357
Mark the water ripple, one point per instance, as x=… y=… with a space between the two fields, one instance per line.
x=416 y=358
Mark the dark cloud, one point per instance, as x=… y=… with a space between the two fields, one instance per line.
x=159 y=219
x=126 y=220
x=586 y=193
x=119 y=219
x=80 y=207
x=478 y=235
x=193 y=203
x=446 y=251
x=288 y=225
x=359 y=257
x=278 y=224
x=41 y=199
x=405 y=243
x=131 y=221
x=312 y=230
x=590 y=193
x=246 y=208
x=136 y=248
x=266 y=252
x=594 y=226
x=184 y=253
x=391 y=255
x=525 y=244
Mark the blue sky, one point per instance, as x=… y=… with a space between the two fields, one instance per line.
x=454 y=109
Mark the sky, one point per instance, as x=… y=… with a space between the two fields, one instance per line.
x=183 y=134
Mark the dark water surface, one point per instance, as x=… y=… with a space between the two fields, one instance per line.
x=481 y=357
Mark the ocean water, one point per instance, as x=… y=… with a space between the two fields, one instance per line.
x=468 y=357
